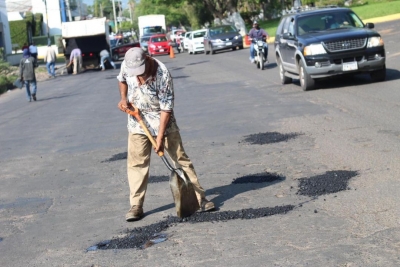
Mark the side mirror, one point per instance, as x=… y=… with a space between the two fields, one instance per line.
x=287 y=35
x=369 y=25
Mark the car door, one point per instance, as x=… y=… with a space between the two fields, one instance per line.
x=288 y=45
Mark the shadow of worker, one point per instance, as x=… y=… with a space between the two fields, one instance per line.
x=238 y=186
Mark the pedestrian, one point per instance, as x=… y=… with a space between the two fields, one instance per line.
x=76 y=59
x=50 y=59
x=256 y=33
x=25 y=46
x=105 y=55
x=147 y=84
x=27 y=67
x=33 y=50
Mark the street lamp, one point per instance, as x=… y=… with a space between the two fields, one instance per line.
x=47 y=22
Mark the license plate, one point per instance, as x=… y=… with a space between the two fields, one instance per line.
x=161 y=50
x=350 y=66
x=229 y=43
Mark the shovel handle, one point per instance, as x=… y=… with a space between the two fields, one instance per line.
x=134 y=111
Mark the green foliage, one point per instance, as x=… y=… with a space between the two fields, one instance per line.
x=322 y=3
x=125 y=26
x=7 y=76
x=38 y=24
x=19 y=31
x=376 y=10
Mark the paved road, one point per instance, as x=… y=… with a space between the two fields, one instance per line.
x=63 y=185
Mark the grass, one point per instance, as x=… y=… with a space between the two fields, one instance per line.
x=373 y=10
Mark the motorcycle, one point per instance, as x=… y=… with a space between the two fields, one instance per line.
x=259 y=58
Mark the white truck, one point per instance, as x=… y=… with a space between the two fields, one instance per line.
x=90 y=36
x=151 y=24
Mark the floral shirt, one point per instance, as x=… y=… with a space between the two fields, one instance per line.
x=155 y=95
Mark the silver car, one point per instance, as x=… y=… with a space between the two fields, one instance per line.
x=221 y=38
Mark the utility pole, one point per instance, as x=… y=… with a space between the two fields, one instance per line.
x=47 y=22
x=115 y=17
x=101 y=11
x=69 y=10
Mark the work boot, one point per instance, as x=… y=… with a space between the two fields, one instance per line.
x=134 y=214
x=206 y=205
x=34 y=97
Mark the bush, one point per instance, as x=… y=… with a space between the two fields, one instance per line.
x=8 y=74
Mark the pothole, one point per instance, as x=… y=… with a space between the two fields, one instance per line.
x=264 y=177
x=269 y=138
x=140 y=236
x=328 y=183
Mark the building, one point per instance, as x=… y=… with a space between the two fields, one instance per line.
x=5 y=38
x=54 y=12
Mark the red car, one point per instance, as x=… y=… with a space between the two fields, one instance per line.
x=158 y=45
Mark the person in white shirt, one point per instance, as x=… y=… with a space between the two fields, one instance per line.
x=50 y=59
x=33 y=51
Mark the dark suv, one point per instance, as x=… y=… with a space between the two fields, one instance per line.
x=326 y=42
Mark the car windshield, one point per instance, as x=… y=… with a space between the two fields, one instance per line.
x=199 y=34
x=159 y=39
x=144 y=39
x=331 y=21
x=222 y=30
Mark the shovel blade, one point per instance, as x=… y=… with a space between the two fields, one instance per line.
x=185 y=199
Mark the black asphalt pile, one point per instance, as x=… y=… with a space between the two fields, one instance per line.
x=269 y=138
x=328 y=183
x=264 y=177
x=141 y=237
x=158 y=179
x=116 y=157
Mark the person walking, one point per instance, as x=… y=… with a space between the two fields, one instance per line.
x=33 y=50
x=50 y=59
x=27 y=67
x=105 y=55
x=146 y=83
x=76 y=59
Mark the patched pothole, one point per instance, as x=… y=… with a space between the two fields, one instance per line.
x=327 y=183
x=264 y=177
x=140 y=236
x=269 y=138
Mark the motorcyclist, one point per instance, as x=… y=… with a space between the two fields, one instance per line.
x=257 y=33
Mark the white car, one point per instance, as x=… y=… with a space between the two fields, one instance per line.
x=186 y=40
x=196 y=41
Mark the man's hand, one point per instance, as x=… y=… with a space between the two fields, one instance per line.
x=160 y=144
x=123 y=104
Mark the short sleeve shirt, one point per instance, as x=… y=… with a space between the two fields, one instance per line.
x=156 y=95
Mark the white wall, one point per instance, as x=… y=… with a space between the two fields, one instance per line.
x=6 y=28
x=53 y=13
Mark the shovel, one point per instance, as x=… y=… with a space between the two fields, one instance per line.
x=185 y=199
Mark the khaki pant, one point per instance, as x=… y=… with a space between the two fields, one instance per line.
x=138 y=163
x=77 y=64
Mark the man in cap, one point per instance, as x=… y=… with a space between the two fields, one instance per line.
x=147 y=84
x=256 y=33
x=27 y=67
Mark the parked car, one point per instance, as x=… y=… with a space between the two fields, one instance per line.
x=326 y=42
x=221 y=38
x=196 y=41
x=144 y=42
x=158 y=45
x=176 y=34
x=119 y=46
x=185 y=40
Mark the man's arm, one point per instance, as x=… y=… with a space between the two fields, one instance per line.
x=123 y=92
x=165 y=117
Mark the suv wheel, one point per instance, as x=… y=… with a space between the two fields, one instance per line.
x=306 y=82
x=378 y=75
x=284 y=79
x=115 y=57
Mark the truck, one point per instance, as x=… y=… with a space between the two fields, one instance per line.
x=151 y=24
x=90 y=36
